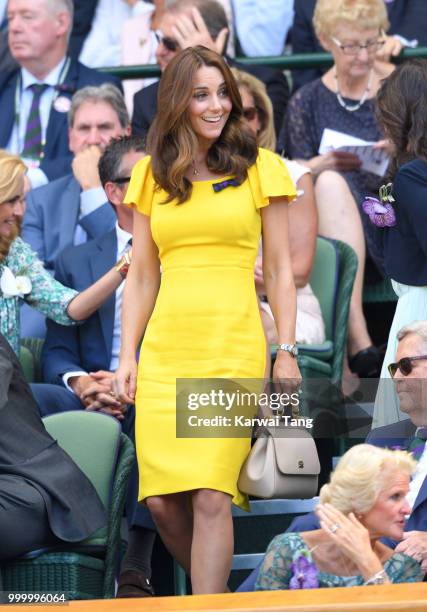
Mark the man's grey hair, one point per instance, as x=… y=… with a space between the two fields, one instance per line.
x=419 y=328
x=212 y=12
x=55 y=6
x=102 y=93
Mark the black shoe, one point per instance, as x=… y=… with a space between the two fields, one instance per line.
x=133 y=583
x=367 y=363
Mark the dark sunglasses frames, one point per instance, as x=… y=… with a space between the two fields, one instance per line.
x=169 y=43
x=404 y=365
x=121 y=180
x=250 y=113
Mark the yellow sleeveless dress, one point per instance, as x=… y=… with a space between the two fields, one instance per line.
x=205 y=323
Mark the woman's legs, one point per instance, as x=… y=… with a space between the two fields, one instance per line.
x=174 y=521
x=212 y=549
x=339 y=218
x=201 y=542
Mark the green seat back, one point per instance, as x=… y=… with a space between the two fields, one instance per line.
x=324 y=282
x=27 y=363
x=92 y=440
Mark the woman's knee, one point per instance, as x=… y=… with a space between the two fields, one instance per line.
x=211 y=503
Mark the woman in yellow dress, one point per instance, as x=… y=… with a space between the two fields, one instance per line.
x=201 y=198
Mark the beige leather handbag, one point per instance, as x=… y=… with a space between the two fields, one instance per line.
x=282 y=464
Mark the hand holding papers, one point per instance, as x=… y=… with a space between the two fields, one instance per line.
x=372 y=159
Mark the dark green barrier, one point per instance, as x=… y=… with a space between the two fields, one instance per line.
x=284 y=62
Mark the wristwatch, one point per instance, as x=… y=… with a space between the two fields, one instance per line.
x=289 y=348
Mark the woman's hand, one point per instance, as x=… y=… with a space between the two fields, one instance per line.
x=124 y=381
x=391 y=48
x=286 y=368
x=341 y=161
x=351 y=537
x=385 y=145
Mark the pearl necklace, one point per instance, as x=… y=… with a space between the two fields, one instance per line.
x=354 y=107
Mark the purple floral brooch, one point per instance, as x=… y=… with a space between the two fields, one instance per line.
x=304 y=572
x=381 y=212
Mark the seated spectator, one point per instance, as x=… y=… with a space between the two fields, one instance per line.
x=80 y=361
x=408 y=27
x=257 y=110
x=22 y=275
x=364 y=501
x=188 y=23
x=45 y=500
x=139 y=40
x=343 y=100
x=262 y=28
x=410 y=434
x=74 y=208
x=35 y=98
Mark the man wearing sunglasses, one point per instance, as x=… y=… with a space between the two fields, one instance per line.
x=187 y=23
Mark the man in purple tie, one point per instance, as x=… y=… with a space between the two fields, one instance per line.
x=35 y=96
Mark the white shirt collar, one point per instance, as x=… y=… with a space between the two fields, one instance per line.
x=51 y=79
x=123 y=238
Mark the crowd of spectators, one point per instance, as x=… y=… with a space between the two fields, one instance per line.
x=70 y=136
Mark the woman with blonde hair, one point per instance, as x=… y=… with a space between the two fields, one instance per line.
x=364 y=501
x=303 y=222
x=342 y=100
x=22 y=275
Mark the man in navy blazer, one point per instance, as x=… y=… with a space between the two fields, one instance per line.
x=181 y=16
x=39 y=45
x=74 y=208
x=411 y=387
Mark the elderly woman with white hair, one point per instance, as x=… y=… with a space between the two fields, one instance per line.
x=364 y=501
x=343 y=101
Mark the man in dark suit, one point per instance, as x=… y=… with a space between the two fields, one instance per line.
x=74 y=208
x=187 y=23
x=35 y=98
x=410 y=434
x=44 y=498
x=408 y=19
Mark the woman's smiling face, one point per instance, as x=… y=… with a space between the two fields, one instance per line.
x=12 y=212
x=210 y=105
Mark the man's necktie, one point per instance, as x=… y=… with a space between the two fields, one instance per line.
x=418 y=443
x=33 y=148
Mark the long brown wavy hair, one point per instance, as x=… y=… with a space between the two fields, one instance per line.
x=171 y=141
x=402 y=112
x=12 y=172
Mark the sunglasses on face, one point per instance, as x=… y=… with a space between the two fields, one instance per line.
x=250 y=113
x=169 y=43
x=121 y=180
x=404 y=365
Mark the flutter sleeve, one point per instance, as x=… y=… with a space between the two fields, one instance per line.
x=141 y=187
x=269 y=178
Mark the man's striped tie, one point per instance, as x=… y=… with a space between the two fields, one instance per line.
x=33 y=134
